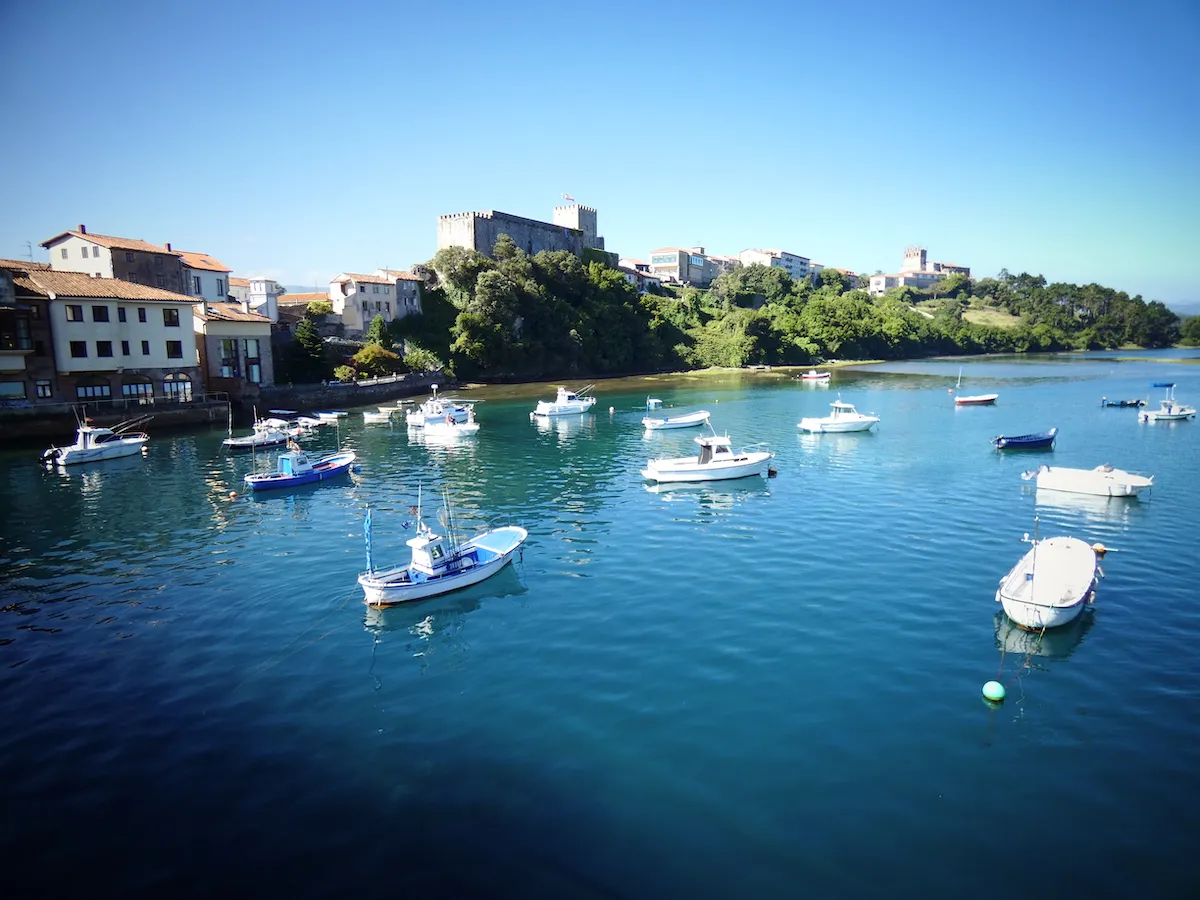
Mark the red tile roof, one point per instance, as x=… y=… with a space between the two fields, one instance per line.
x=77 y=284
x=239 y=282
x=202 y=261
x=23 y=265
x=114 y=243
x=364 y=279
x=302 y=299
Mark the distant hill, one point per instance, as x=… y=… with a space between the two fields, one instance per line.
x=1183 y=310
x=305 y=288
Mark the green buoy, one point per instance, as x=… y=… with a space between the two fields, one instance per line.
x=994 y=691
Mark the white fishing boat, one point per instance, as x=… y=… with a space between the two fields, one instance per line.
x=94 y=443
x=451 y=427
x=1050 y=585
x=294 y=468
x=436 y=409
x=814 y=375
x=1102 y=481
x=688 y=420
x=843 y=417
x=1168 y=409
x=567 y=403
x=716 y=461
x=331 y=415
x=439 y=563
x=271 y=432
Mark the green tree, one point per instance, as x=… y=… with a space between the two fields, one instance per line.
x=378 y=334
x=318 y=308
x=344 y=373
x=308 y=361
x=1190 y=332
x=374 y=360
x=418 y=359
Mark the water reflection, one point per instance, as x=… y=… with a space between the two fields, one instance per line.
x=720 y=495
x=1090 y=508
x=1053 y=643
x=564 y=426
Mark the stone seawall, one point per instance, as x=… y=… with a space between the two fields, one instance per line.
x=58 y=427
x=306 y=398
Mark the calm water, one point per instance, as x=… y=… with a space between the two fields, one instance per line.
x=762 y=688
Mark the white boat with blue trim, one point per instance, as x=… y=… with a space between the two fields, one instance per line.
x=843 y=417
x=94 y=443
x=440 y=564
x=716 y=461
x=294 y=468
x=1169 y=410
x=1052 y=583
x=567 y=403
x=437 y=409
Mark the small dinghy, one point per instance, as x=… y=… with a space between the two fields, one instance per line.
x=1120 y=404
x=1037 y=441
x=294 y=468
x=1050 y=585
x=814 y=375
x=688 y=420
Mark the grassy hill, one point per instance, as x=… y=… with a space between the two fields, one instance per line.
x=987 y=315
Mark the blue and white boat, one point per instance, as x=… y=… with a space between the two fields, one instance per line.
x=1039 y=440
x=1169 y=410
x=436 y=410
x=440 y=564
x=295 y=468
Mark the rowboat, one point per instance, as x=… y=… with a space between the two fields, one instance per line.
x=294 y=468
x=1037 y=440
x=1050 y=585
x=689 y=420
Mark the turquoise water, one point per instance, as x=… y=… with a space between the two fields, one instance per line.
x=761 y=688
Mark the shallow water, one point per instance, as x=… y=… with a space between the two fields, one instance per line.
x=768 y=687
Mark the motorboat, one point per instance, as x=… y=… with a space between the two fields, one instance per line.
x=1050 y=585
x=977 y=400
x=371 y=417
x=1168 y=410
x=271 y=432
x=843 y=417
x=1102 y=481
x=716 y=461
x=294 y=468
x=309 y=422
x=436 y=409
x=94 y=443
x=1120 y=404
x=567 y=403
x=331 y=415
x=814 y=375
x=451 y=427
x=688 y=420
x=439 y=563
x=1039 y=440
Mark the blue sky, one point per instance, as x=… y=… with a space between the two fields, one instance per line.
x=299 y=139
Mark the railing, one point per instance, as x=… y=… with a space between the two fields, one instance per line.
x=95 y=406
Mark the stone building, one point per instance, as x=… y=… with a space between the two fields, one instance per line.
x=573 y=229
x=129 y=259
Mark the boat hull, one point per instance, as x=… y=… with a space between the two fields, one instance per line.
x=1167 y=417
x=687 y=469
x=656 y=423
x=1050 y=585
x=68 y=456
x=403 y=584
x=323 y=470
x=1026 y=441
x=545 y=408
x=979 y=400
x=1097 y=482
x=841 y=425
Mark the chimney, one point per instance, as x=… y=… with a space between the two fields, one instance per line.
x=168 y=246
x=245 y=305
x=83 y=229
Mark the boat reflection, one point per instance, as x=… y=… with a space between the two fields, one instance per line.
x=714 y=495
x=1053 y=643
x=564 y=426
x=1091 y=507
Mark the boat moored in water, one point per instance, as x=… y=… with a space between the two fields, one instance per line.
x=716 y=461
x=1120 y=404
x=687 y=420
x=566 y=403
x=843 y=417
x=1036 y=441
x=294 y=468
x=94 y=443
x=1102 y=481
x=814 y=375
x=1050 y=585
x=1168 y=409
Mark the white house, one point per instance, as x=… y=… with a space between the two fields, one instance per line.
x=205 y=278
x=796 y=266
x=358 y=299
x=105 y=256
x=262 y=295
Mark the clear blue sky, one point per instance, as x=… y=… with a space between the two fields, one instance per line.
x=300 y=139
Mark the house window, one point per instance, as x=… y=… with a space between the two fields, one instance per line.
x=174 y=349
x=74 y=312
x=120 y=314
x=387 y=308
x=161 y=279
x=12 y=390
x=158 y=262
x=229 y=360
x=253 y=362
x=124 y=348
x=171 y=317
x=128 y=257
x=79 y=349
x=141 y=314
x=374 y=289
x=14 y=331
x=64 y=252
x=145 y=348
x=196 y=285
x=93 y=389
x=132 y=278
x=221 y=287
x=104 y=348
x=44 y=389
x=177 y=387
x=95 y=251
x=99 y=313
x=385 y=289
x=138 y=388
x=83 y=252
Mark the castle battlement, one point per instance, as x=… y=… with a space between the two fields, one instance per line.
x=578 y=206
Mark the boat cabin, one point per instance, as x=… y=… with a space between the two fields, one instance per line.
x=89 y=437
x=294 y=462
x=842 y=408
x=431 y=555
x=714 y=447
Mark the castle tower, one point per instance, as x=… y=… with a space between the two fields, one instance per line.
x=581 y=218
x=914 y=259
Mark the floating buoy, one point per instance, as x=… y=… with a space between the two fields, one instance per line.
x=233 y=495
x=771 y=473
x=994 y=691
x=1099 y=549
x=145 y=450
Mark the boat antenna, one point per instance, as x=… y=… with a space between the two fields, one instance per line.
x=367 y=538
x=229 y=409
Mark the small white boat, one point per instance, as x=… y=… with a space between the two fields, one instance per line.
x=1050 y=585
x=451 y=427
x=436 y=409
x=1102 y=481
x=689 y=420
x=331 y=415
x=1168 y=410
x=391 y=408
x=976 y=400
x=716 y=461
x=566 y=403
x=267 y=433
x=439 y=563
x=814 y=375
x=370 y=417
x=94 y=443
x=844 y=417
x=308 y=422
